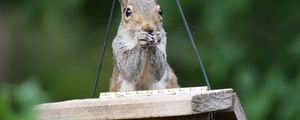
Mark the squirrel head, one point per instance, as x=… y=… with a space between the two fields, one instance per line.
x=141 y=15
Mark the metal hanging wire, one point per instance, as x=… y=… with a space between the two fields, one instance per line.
x=187 y=28
x=103 y=49
x=212 y=115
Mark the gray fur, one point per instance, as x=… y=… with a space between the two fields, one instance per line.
x=140 y=58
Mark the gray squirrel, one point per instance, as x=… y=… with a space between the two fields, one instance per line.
x=139 y=49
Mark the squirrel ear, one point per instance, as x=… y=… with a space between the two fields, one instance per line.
x=123 y=4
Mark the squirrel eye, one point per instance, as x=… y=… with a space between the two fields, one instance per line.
x=160 y=12
x=128 y=12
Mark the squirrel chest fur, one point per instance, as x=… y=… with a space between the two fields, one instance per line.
x=139 y=49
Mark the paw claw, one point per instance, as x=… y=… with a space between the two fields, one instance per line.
x=149 y=39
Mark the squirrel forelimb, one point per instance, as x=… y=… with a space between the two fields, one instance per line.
x=139 y=49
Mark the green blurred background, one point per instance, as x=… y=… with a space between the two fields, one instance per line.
x=49 y=51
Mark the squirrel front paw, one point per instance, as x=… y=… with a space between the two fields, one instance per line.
x=146 y=39
x=157 y=38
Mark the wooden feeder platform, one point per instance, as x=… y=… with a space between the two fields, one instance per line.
x=192 y=103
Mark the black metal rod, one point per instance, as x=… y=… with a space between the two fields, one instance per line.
x=212 y=115
x=103 y=50
x=187 y=28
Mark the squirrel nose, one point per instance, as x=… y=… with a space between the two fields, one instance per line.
x=149 y=31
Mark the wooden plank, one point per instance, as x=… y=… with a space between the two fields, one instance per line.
x=237 y=108
x=131 y=107
x=173 y=91
x=214 y=101
x=203 y=116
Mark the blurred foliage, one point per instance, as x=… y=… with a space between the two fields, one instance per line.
x=252 y=46
x=17 y=102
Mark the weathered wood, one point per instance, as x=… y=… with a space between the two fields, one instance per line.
x=212 y=101
x=164 y=92
x=203 y=116
x=237 y=108
x=158 y=105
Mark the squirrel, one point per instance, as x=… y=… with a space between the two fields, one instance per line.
x=139 y=49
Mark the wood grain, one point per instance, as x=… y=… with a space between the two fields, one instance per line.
x=184 y=105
